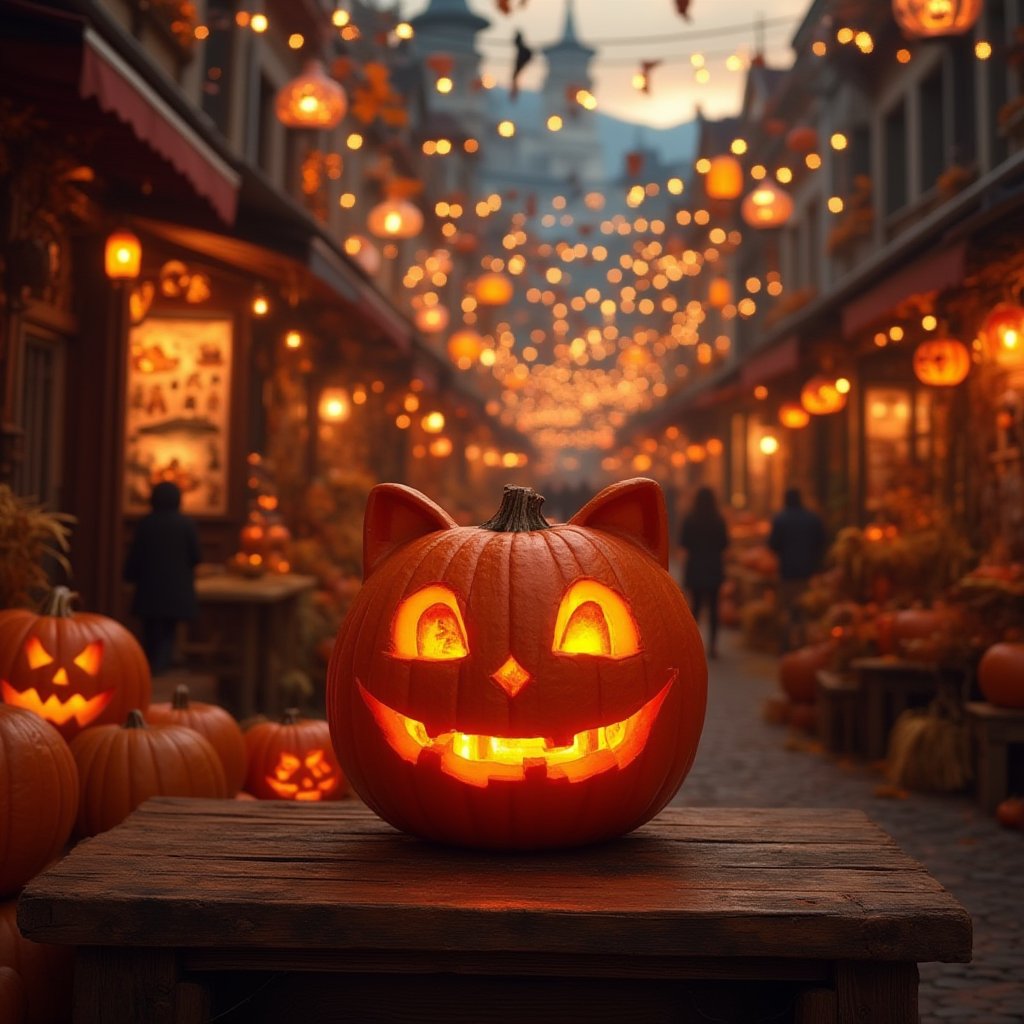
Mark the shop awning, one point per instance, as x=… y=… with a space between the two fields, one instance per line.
x=942 y=269
x=772 y=362
x=65 y=72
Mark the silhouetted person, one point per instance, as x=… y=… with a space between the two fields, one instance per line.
x=704 y=536
x=798 y=539
x=161 y=563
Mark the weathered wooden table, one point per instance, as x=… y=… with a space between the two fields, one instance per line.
x=294 y=912
x=994 y=730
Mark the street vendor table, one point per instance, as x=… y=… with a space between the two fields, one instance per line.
x=274 y=911
x=264 y=609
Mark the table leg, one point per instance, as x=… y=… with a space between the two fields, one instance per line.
x=874 y=719
x=120 y=986
x=877 y=993
x=249 y=685
x=817 y=1006
x=992 y=771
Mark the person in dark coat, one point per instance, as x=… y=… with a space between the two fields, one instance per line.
x=161 y=563
x=704 y=537
x=798 y=539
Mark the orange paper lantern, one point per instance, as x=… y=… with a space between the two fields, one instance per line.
x=493 y=289
x=768 y=206
x=395 y=218
x=922 y=19
x=1003 y=333
x=793 y=415
x=311 y=100
x=724 y=179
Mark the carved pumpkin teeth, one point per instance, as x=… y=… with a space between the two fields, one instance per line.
x=478 y=758
x=53 y=709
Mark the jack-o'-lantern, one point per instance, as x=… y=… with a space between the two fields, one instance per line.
x=929 y=18
x=293 y=760
x=517 y=685
x=73 y=669
x=941 y=362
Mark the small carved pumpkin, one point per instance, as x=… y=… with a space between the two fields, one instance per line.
x=293 y=760
x=121 y=766
x=517 y=685
x=942 y=362
x=38 y=796
x=213 y=722
x=42 y=969
x=73 y=669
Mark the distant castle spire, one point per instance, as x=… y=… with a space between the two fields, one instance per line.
x=570 y=43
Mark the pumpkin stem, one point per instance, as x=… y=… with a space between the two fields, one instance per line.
x=180 y=699
x=520 y=511
x=290 y=716
x=58 y=604
x=135 y=720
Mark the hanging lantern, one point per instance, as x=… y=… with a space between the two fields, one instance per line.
x=724 y=179
x=793 y=415
x=820 y=396
x=802 y=139
x=311 y=100
x=923 y=19
x=122 y=257
x=942 y=362
x=719 y=292
x=493 y=289
x=768 y=206
x=464 y=348
x=395 y=218
x=431 y=319
x=1003 y=333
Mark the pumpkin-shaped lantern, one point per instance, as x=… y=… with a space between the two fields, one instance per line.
x=768 y=206
x=73 y=669
x=121 y=766
x=941 y=362
x=38 y=796
x=820 y=396
x=922 y=19
x=724 y=179
x=212 y=721
x=793 y=416
x=395 y=218
x=1003 y=333
x=517 y=685
x=293 y=760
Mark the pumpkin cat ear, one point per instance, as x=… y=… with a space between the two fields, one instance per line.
x=396 y=514
x=634 y=509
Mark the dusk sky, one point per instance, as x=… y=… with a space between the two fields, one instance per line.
x=626 y=32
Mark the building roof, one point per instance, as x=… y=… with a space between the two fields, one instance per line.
x=570 y=43
x=450 y=14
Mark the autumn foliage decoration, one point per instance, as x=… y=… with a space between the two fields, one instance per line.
x=74 y=669
x=517 y=685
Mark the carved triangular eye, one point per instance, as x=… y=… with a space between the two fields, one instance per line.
x=594 y=619
x=38 y=656
x=428 y=626
x=89 y=659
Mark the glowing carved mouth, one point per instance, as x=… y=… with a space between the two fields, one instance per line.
x=53 y=709
x=477 y=759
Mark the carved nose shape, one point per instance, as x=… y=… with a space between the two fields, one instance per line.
x=511 y=677
x=61 y=678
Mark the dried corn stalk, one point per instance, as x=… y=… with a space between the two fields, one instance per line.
x=29 y=538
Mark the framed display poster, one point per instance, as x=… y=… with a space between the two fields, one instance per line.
x=178 y=407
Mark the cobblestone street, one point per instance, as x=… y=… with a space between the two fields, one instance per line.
x=743 y=761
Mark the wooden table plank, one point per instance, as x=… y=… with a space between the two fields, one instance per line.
x=204 y=874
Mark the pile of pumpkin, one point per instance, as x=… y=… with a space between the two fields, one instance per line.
x=81 y=748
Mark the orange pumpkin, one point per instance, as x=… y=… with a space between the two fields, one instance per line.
x=942 y=362
x=928 y=18
x=38 y=796
x=798 y=671
x=211 y=721
x=1010 y=813
x=44 y=971
x=293 y=760
x=13 y=1005
x=73 y=669
x=517 y=685
x=120 y=766
x=1001 y=675
x=802 y=139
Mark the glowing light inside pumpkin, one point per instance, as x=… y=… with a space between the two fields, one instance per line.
x=318 y=777
x=37 y=655
x=593 y=619
x=428 y=625
x=477 y=759
x=53 y=709
x=511 y=677
x=90 y=658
